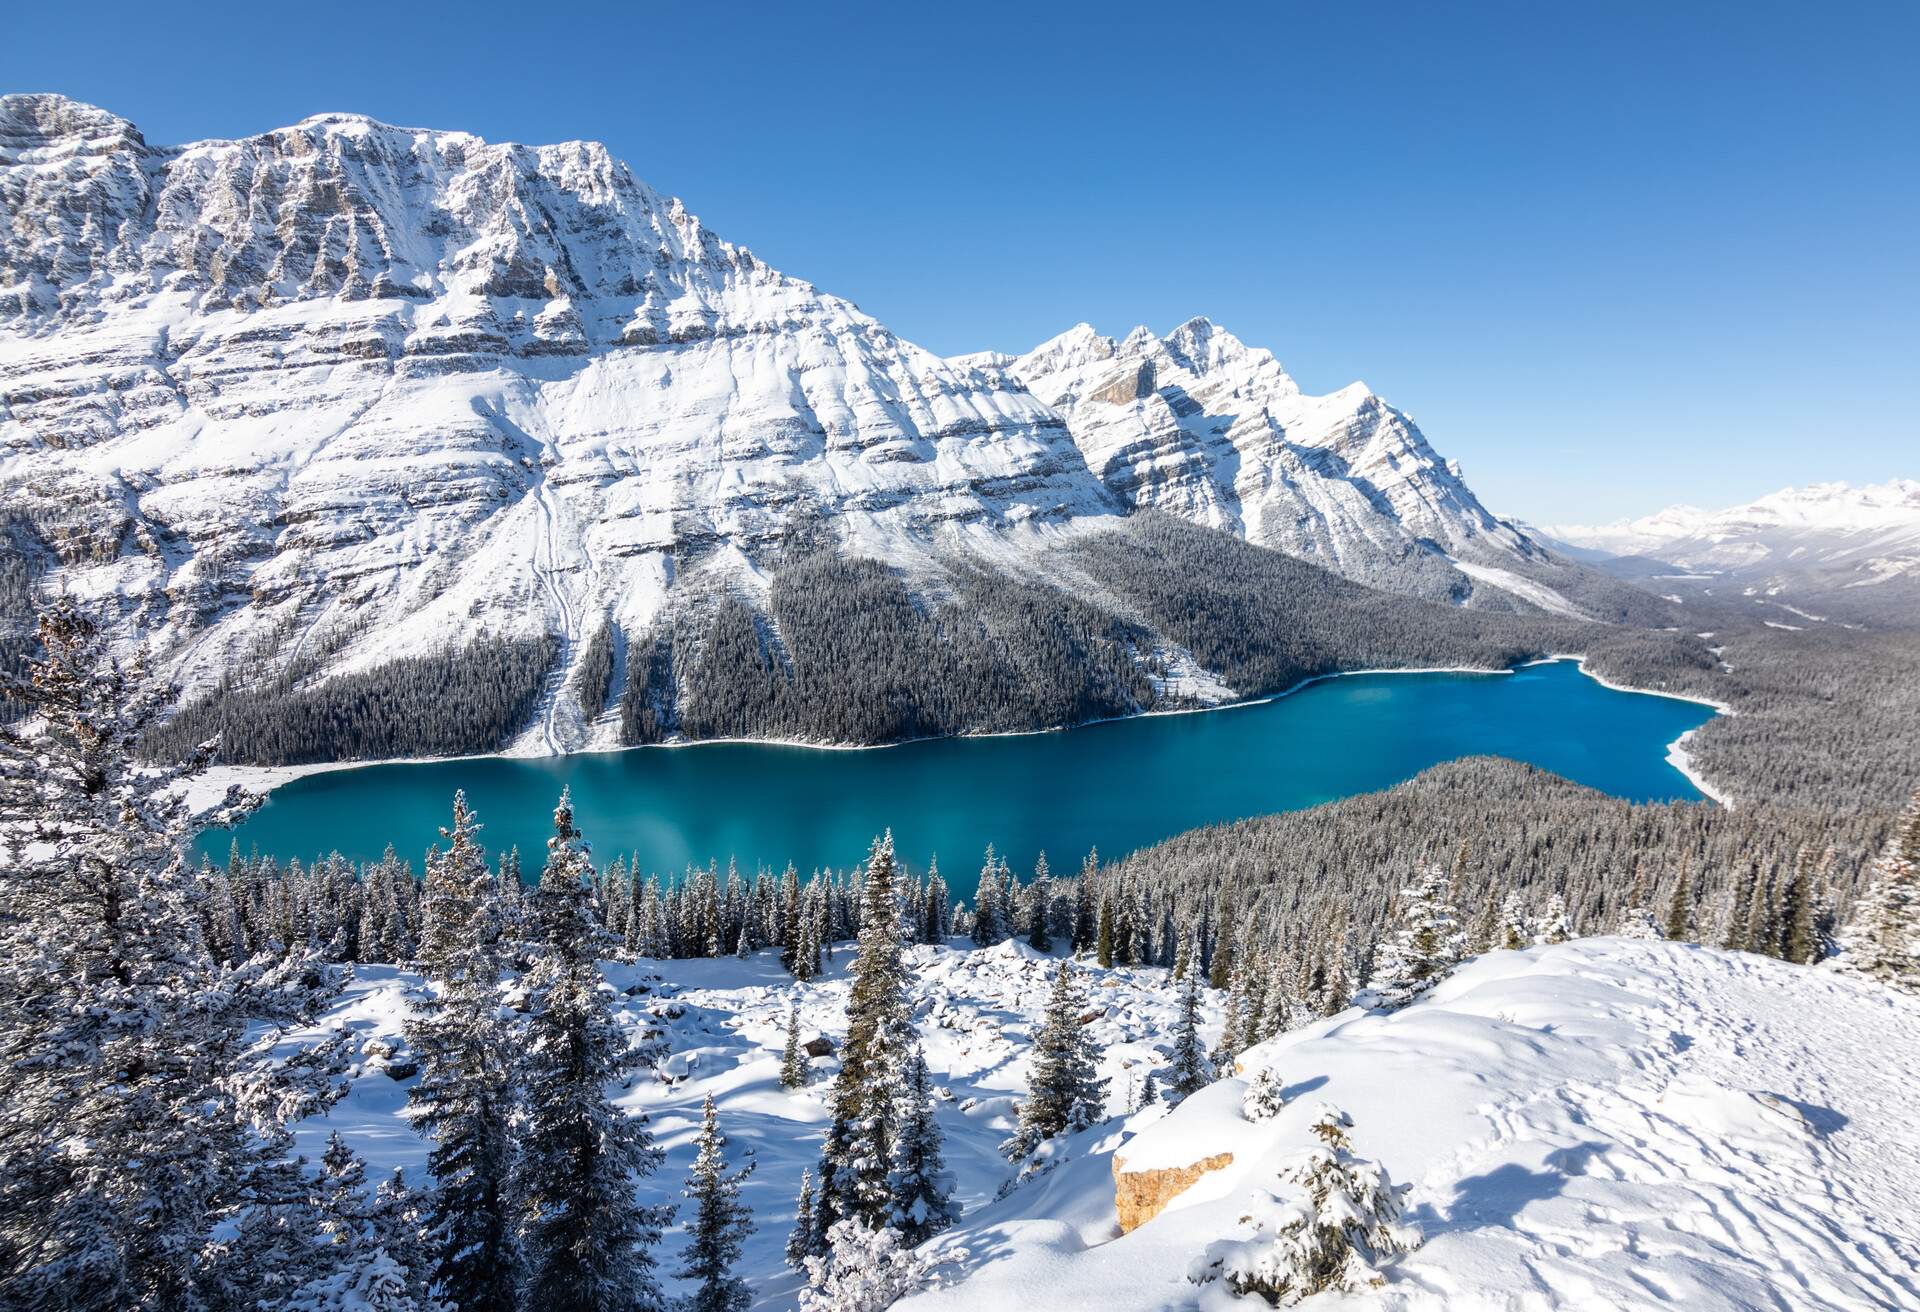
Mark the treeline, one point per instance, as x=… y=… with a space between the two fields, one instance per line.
x=1307 y=884
x=340 y=911
x=454 y=702
x=1513 y=839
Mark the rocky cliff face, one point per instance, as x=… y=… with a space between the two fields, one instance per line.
x=1199 y=424
x=345 y=392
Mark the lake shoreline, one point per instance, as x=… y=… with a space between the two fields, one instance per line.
x=212 y=785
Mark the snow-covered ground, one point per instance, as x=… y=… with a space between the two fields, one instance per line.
x=1602 y=1124
x=724 y=1024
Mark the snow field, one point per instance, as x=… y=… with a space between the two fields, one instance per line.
x=1602 y=1124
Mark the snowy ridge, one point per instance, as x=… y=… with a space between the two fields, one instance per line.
x=1599 y=1124
x=345 y=392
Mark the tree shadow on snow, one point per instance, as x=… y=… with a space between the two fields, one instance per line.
x=1500 y=1195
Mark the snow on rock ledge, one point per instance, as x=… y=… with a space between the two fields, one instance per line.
x=1139 y=1196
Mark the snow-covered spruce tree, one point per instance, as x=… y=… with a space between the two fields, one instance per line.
x=1679 y=920
x=1554 y=926
x=1421 y=947
x=1220 y=964
x=1882 y=937
x=363 y=1248
x=1064 y=1094
x=1332 y=1224
x=464 y=1098
x=720 y=1226
x=1188 y=1071
x=139 y=1122
x=1040 y=895
x=856 y=1159
x=989 y=919
x=866 y=1270
x=1516 y=928
x=1636 y=915
x=793 y=1060
x=1264 y=1096
x=800 y=1240
x=919 y=1184
x=1799 y=911
x=588 y=1243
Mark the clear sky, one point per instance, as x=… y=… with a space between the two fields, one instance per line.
x=1609 y=255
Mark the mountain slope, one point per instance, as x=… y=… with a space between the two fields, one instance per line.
x=301 y=406
x=1205 y=427
x=1599 y=1124
x=1857 y=549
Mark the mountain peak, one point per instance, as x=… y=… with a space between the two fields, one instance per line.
x=41 y=126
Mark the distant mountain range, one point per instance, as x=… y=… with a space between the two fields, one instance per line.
x=1854 y=548
x=343 y=392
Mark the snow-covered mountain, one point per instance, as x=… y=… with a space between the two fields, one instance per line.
x=1199 y=424
x=344 y=392
x=1829 y=538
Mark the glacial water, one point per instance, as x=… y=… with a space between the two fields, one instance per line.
x=1118 y=785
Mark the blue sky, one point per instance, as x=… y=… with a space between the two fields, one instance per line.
x=1610 y=256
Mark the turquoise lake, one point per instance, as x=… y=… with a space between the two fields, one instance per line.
x=1119 y=785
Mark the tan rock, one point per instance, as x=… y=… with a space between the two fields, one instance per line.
x=1139 y=1196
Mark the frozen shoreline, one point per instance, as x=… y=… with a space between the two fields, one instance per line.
x=263 y=779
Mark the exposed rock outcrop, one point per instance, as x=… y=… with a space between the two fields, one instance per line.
x=1139 y=1196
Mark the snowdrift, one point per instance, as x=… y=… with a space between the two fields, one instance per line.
x=1600 y=1124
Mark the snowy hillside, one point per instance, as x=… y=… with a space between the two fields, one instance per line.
x=1860 y=545
x=1600 y=1124
x=724 y=1023
x=344 y=392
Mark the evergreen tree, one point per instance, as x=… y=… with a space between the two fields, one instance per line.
x=793 y=1061
x=988 y=917
x=1103 y=950
x=1264 y=1096
x=1220 y=968
x=801 y=1239
x=1188 y=1071
x=142 y=1129
x=1064 y=1093
x=1679 y=926
x=721 y=1224
x=1553 y=926
x=1799 y=940
x=1882 y=938
x=921 y=1188
x=464 y=1096
x=864 y=1270
x=589 y=1244
x=1423 y=945
x=1039 y=936
x=1636 y=916
x=1333 y=1223
x=857 y=1158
